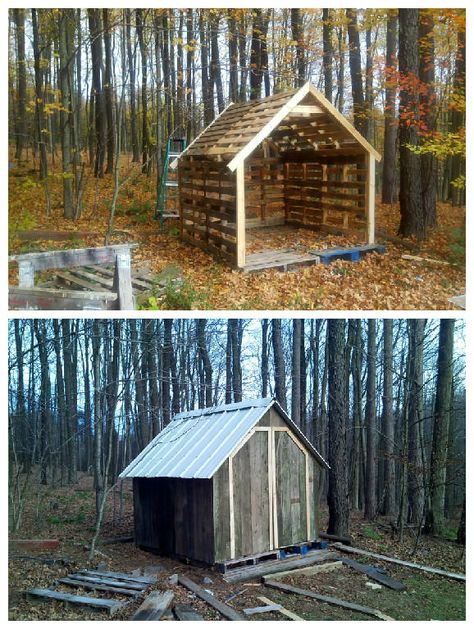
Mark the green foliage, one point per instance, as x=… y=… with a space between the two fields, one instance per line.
x=458 y=246
x=371 y=533
x=182 y=296
x=442 y=146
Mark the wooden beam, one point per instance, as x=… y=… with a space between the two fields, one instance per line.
x=52 y=299
x=330 y=600
x=154 y=606
x=408 y=564
x=227 y=611
x=268 y=128
x=375 y=575
x=240 y=214
x=251 y=611
x=123 y=281
x=110 y=605
x=231 y=511
x=370 y=198
x=282 y=610
x=309 y=570
x=71 y=257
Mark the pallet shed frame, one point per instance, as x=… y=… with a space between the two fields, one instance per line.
x=226 y=482
x=294 y=150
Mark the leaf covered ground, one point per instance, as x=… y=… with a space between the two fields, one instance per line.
x=387 y=282
x=67 y=514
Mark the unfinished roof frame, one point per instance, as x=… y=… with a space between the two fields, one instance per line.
x=213 y=200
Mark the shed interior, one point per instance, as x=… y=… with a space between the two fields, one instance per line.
x=287 y=160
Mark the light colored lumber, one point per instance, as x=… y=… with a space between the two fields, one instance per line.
x=325 y=567
x=227 y=611
x=408 y=564
x=154 y=606
x=407 y=256
x=240 y=214
x=370 y=198
x=282 y=610
x=251 y=611
x=330 y=600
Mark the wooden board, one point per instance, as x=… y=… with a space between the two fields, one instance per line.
x=154 y=606
x=282 y=610
x=270 y=567
x=309 y=570
x=251 y=611
x=123 y=576
x=186 y=612
x=227 y=611
x=369 y=611
x=71 y=257
x=281 y=260
x=408 y=564
x=52 y=299
x=375 y=575
x=99 y=603
x=79 y=583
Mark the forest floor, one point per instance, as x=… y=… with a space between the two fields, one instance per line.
x=377 y=282
x=67 y=514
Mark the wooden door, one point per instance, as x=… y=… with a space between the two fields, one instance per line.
x=290 y=503
x=250 y=500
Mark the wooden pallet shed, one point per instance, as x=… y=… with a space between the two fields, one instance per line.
x=226 y=482
x=291 y=158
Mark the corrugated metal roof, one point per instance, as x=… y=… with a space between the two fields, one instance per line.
x=196 y=443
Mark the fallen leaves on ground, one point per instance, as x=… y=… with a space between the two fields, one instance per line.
x=377 y=282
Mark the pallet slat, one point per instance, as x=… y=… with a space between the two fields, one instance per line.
x=100 y=603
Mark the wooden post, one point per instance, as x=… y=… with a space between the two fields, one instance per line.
x=240 y=214
x=123 y=281
x=370 y=198
x=231 y=510
x=26 y=274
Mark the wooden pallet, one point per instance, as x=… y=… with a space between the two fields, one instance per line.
x=279 y=565
x=101 y=581
x=278 y=259
x=353 y=254
x=249 y=560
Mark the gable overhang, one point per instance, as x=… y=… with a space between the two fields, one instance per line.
x=288 y=108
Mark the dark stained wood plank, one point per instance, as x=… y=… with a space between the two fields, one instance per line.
x=227 y=611
x=78 y=583
x=154 y=606
x=122 y=576
x=186 y=612
x=108 y=604
x=130 y=585
x=369 y=611
x=221 y=513
x=375 y=575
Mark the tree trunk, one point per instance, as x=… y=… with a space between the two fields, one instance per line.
x=359 y=104
x=39 y=100
x=428 y=108
x=411 y=202
x=65 y=116
x=205 y=360
x=437 y=487
x=95 y=28
x=109 y=93
x=279 y=363
x=264 y=368
x=297 y=36
x=20 y=127
x=327 y=53
x=131 y=74
x=215 y=70
x=146 y=164
x=296 y=373
x=337 y=408
x=370 y=422
x=390 y=123
x=388 y=421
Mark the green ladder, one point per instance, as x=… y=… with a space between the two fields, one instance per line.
x=168 y=188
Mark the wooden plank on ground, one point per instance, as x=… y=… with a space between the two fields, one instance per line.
x=369 y=611
x=375 y=575
x=49 y=234
x=227 y=611
x=271 y=567
x=282 y=610
x=79 y=583
x=50 y=299
x=35 y=544
x=309 y=570
x=131 y=585
x=335 y=538
x=251 y=611
x=100 y=603
x=150 y=580
x=154 y=606
x=186 y=612
x=407 y=564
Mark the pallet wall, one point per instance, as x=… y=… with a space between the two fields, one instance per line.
x=326 y=194
x=264 y=188
x=207 y=206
